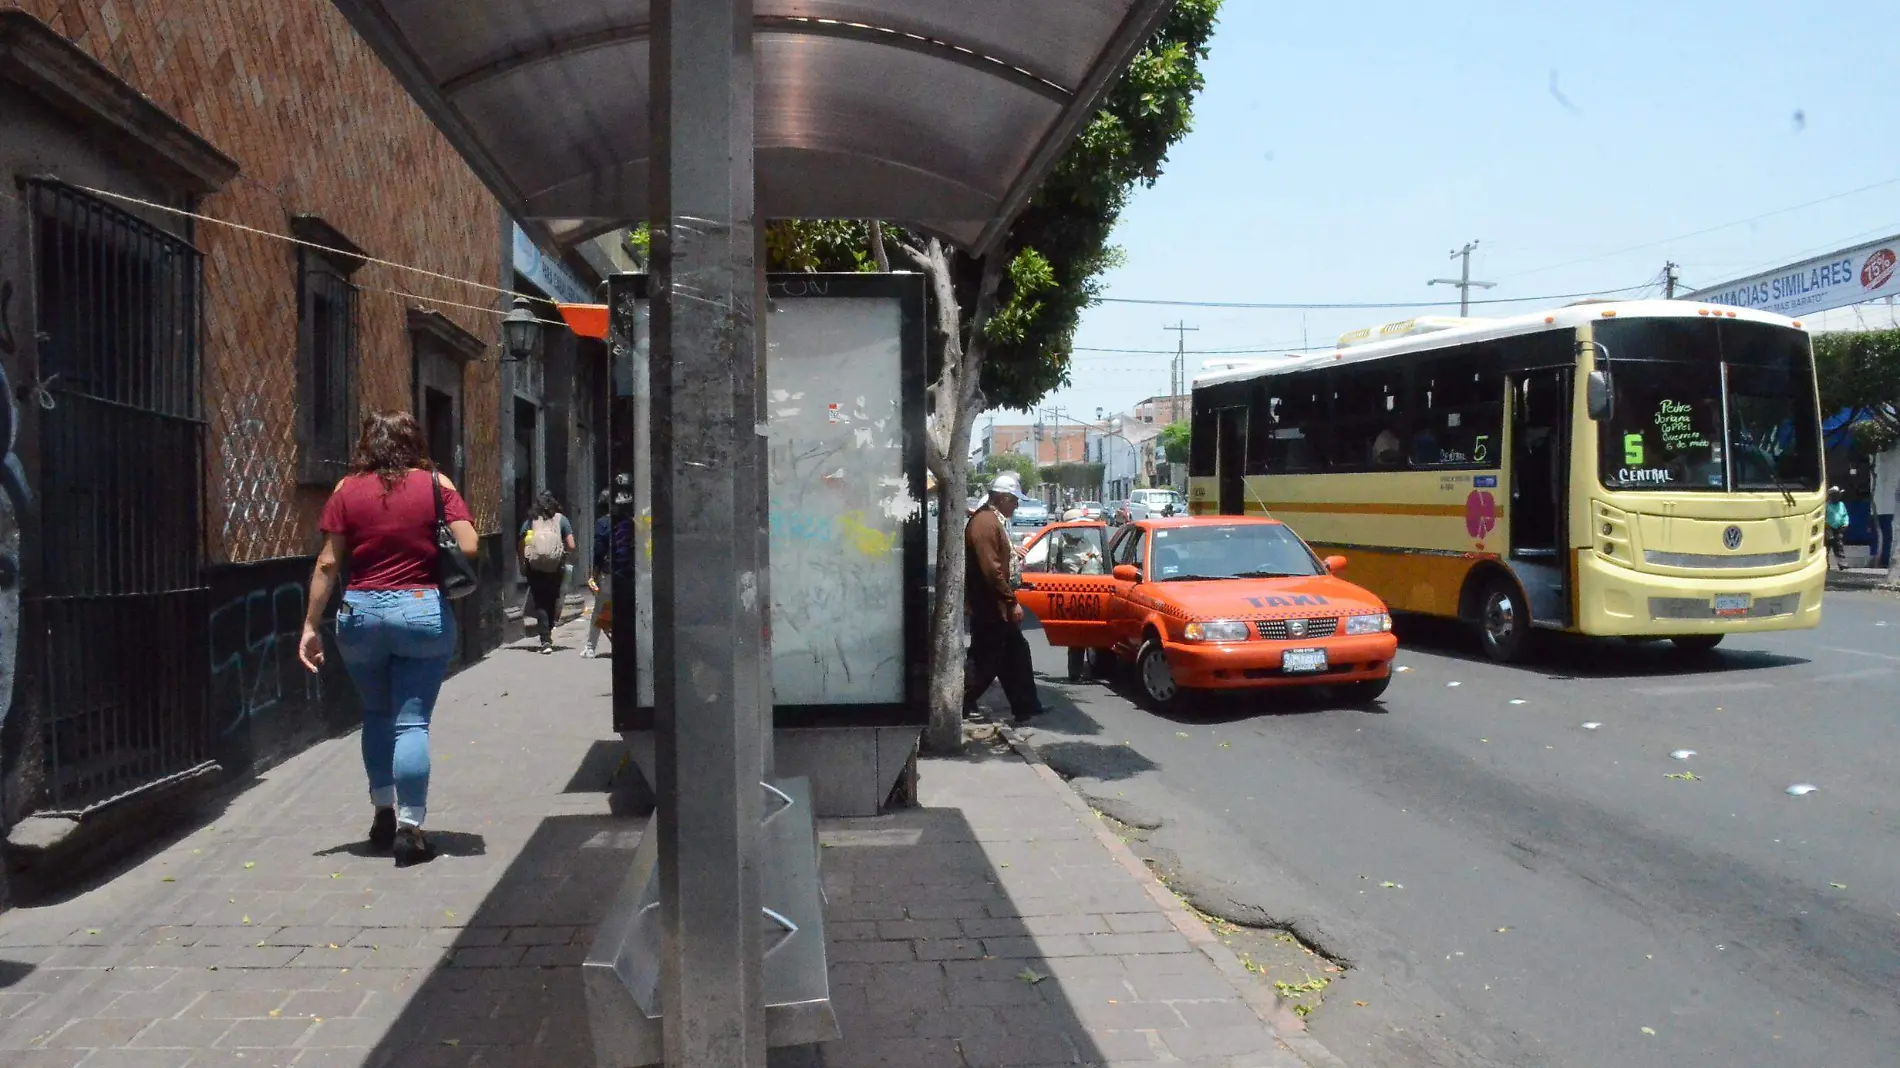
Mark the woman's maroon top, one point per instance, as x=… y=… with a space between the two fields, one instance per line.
x=391 y=535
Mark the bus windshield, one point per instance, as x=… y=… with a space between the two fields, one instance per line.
x=1709 y=405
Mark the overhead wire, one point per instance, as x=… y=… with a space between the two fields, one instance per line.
x=1707 y=230
x=1357 y=305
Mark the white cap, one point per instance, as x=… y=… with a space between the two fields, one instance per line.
x=1008 y=483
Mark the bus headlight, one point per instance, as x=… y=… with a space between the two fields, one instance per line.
x=1220 y=630
x=1378 y=624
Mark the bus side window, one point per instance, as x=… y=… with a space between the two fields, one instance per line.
x=1458 y=409
x=1296 y=428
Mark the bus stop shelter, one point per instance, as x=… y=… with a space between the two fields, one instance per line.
x=705 y=117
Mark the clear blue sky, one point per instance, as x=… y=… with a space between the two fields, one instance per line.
x=1340 y=151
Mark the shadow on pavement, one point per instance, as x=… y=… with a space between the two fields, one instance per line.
x=936 y=956
x=1085 y=760
x=1567 y=656
x=509 y=989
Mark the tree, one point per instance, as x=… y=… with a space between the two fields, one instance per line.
x=1024 y=467
x=1174 y=442
x=1860 y=373
x=1081 y=477
x=1003 y=325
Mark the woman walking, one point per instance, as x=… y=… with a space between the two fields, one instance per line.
x=394 y=628
x=547 y=539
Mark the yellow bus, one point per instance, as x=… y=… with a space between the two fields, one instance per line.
x=1638 y=469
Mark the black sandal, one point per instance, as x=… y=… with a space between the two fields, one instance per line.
x=412 y=848
x=382 y=829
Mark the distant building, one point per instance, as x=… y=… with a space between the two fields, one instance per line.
x=1067 y=443
x=1163 y=410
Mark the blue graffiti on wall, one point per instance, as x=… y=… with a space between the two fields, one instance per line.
x=253 y=639
x=14 y=502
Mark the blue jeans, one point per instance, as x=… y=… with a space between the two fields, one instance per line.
x=396 y=645
x=1886 y=540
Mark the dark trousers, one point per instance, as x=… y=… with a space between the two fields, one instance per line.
x=1000 y=653
x=1886 y=541
x=544 y=600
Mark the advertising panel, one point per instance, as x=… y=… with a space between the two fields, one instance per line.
x=1853 y=276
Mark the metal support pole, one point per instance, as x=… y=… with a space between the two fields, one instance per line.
x=709 y=635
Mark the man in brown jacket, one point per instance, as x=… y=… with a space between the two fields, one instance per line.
x=996 y=638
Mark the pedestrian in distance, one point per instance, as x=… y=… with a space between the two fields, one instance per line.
x=1886 y=498
x=1836 y=528
x=394 y=628
x=997 y=647
x=613 y=541
x=547 y=539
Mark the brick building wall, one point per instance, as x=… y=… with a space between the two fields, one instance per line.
x=130 y=673
x=318 y=126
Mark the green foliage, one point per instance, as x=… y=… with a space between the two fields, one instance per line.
x=1011 y=461
x=1861 y=372
x=819 y=245
x=1083 y=478
x=1174 y=442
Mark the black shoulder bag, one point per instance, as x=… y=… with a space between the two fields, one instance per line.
x=455 y=571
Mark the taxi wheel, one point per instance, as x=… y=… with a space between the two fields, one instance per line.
x=1078 y=664
x=1155 y=676
x=1504 y=622
x=1696 y=644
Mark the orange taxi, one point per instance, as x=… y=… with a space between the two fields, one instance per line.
x=1207 y=603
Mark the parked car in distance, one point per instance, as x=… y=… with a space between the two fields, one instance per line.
x=1158 y=501
x=1089 y=510
x=1031 y=516
x=1207 y=603
x=1122 y=513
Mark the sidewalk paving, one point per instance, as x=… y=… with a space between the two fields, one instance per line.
x=998 y=925
x=1857 y=578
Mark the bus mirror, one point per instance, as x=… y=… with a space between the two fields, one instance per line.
x=1601 y=393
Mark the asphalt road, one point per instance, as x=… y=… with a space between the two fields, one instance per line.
x=1559 y=900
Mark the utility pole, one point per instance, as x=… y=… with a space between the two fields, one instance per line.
x=1671 y=275
x=1463 y=281
x=1177 y=377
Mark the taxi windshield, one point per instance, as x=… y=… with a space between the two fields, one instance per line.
x=1242 y=550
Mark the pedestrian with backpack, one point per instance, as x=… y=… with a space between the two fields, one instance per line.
x=547 y=538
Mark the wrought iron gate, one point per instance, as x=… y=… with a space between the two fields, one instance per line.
x=117 y=596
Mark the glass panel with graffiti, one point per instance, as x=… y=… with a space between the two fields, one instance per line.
x=1242 y=550
x=1673 y=429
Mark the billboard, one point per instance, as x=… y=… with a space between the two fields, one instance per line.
x=1862 y=273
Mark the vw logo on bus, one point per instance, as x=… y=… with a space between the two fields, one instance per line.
x=1732 y=537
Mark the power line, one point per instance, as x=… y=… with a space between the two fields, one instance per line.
x=1708 y=230
x=1356 y=305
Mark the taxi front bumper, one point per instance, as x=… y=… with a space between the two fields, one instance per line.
x=1257 y=663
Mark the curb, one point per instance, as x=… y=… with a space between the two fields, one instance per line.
x=1280 y=1021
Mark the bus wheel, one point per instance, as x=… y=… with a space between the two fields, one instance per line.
x=1504 y=623
x=1078 y=664
x=1156 y=678
x=1697 y=644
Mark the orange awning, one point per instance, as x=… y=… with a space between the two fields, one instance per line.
x=587 y=320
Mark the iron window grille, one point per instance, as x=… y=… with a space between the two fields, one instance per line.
x=327 y=355
x=115 y=607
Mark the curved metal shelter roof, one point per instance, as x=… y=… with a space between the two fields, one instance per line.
x=941 y=115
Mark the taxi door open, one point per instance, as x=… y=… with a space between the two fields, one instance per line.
x=1066 y=584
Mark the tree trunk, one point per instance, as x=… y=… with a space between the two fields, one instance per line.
x=954 y=402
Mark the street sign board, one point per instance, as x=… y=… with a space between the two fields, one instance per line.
x=1836 y=280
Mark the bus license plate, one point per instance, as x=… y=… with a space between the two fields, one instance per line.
x=1731 y=604
x=1301 y=660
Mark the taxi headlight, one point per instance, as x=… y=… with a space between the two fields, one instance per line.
x=1378 y=624
x=1220 y=630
